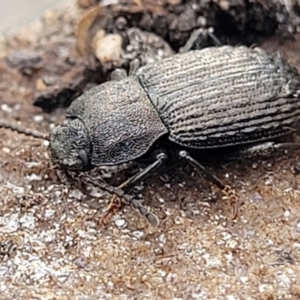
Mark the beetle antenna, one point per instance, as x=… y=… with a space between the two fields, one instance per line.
x=23 y=130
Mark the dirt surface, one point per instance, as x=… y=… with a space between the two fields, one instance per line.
x=53 y=247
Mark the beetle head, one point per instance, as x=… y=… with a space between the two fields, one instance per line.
x=70 y=146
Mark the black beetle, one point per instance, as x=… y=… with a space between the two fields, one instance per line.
x=203 y=99
x=215 y=97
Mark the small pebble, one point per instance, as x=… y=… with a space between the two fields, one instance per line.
x=6 y=150
x=38 y=118
x=6 y=108
x=138 y=234
x=121 y=223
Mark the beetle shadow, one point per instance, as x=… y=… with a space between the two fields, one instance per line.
x=178 y=185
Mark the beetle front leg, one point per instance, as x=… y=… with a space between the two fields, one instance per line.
x=128 y=199
x=160 y=158
x=228 y=191
x=115 y=204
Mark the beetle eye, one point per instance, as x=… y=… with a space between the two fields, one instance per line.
x=84 y=157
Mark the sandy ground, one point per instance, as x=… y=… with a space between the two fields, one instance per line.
x=52 y=246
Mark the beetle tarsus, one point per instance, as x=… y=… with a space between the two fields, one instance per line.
x=115 y=204
x=144 y=211
x=113 y=207
x=128 y=199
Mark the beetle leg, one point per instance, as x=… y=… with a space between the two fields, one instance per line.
x=128 y=199
x=264 y=149
x=160 y=158
x=115 y=204
x=144 y=211
x=226 y=189
x=201 y=38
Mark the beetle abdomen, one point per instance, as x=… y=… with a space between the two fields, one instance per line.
x=223 y=96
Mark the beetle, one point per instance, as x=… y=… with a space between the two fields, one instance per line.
x=217 y=97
